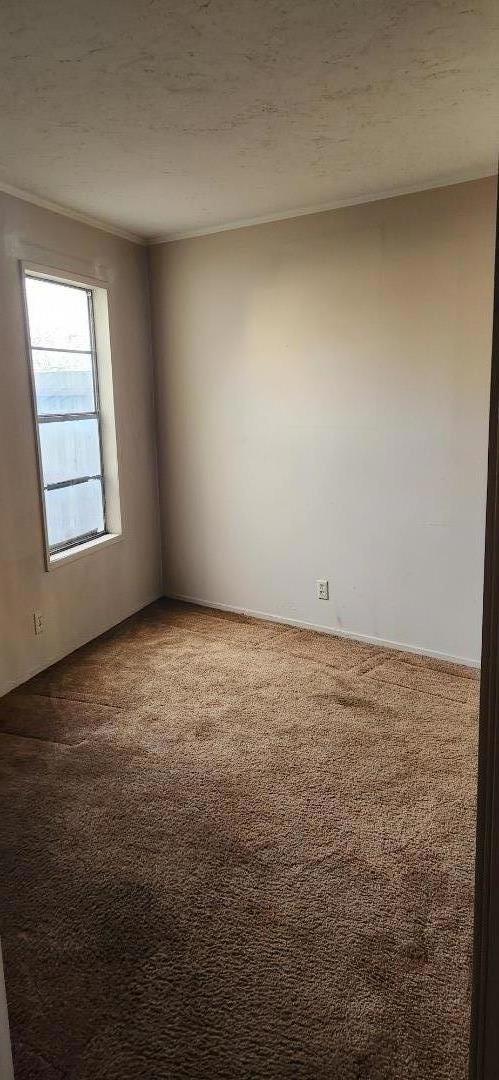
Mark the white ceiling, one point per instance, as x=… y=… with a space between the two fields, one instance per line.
x=169 y=116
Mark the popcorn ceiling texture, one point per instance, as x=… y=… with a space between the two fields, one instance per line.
x=238 y=851
x=164 y=117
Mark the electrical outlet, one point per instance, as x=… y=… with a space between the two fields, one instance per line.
x=322 y=589
x=38 y=622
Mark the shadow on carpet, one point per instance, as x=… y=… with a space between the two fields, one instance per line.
x=233 y=850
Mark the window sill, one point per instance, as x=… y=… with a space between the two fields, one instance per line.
x=64 y=557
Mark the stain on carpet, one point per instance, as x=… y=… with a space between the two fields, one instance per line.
x=233 y=850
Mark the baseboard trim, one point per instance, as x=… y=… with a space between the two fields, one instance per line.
x=60 y=655
x=264 y=616
x=417 y=650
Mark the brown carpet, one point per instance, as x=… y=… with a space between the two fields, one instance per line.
x=232 y=849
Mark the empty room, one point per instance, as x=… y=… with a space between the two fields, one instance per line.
x=247 y=336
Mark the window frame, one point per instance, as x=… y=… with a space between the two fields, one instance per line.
x=67 y=551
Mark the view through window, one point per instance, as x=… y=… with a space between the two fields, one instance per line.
x=62 y=342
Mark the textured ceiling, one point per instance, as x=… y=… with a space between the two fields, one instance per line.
x=164 y=117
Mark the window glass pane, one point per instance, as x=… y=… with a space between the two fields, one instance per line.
x=57 y=314
x=74 y=511
x=70 y=448
x=60 y=327
x=63 y=381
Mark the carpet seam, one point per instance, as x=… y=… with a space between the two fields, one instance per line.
x=423 y=693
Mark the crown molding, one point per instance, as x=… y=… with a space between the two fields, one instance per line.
x=75 y=215
x=323 y=208
x=242 y=223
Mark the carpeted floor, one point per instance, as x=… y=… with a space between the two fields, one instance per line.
x=233 y=850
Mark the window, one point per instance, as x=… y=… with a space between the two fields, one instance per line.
x=65 y=375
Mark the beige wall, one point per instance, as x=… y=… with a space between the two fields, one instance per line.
x=322 y=404
x=83 y=598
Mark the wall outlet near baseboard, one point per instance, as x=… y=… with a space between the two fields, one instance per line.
x=322 y=586
x=38 y=622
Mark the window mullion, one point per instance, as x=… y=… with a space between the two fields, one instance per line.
x=53 y=348
x=54 y=418
x=72 y=482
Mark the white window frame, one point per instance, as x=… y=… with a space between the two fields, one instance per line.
x=97 y=295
